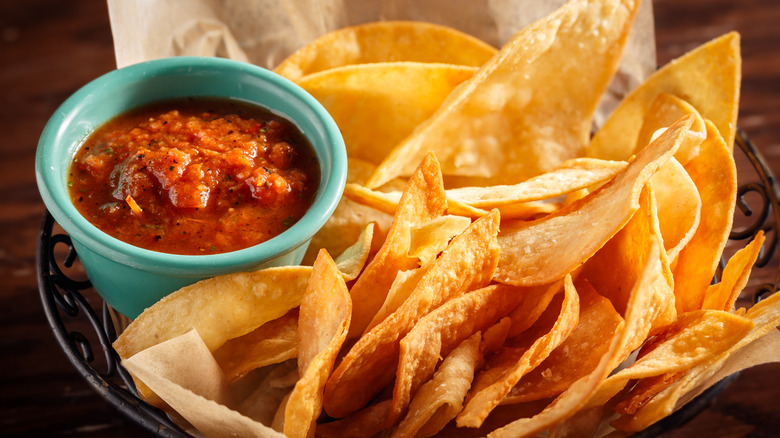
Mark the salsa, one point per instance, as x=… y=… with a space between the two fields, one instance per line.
x=194 y=176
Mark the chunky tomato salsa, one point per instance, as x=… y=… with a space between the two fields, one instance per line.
x=195 y=176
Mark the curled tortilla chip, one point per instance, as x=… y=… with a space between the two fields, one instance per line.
x=365 y=423
x=695 y=337
x=765 y=316
x=467 y=264
x=386 y=41
x=708 y=77
x=356 y=95
x=325 y=313
x=715 y=175
x=219 y=308
x=440 y=399
x=388 y=201
x=423 y=199
x=439 y=332
x=662 y=113
x=570 y=176
x=510 y=363
x=273 y=342
x=723 y=295
x=354 y=258
x=545 y=250
x=578 y=355
x=429 y=239
x=509 y=122
x=678 y=206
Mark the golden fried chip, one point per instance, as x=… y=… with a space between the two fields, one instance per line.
x=766 y=317
x=436 y=334
x=532 y=306
x=219 y=308
x=510 y=122
x=570 y=176
x=707 y=77
x=578 y=355
x=467 y=264
x=400 y=290
x=429 y=239
x=643 y=307
x=365 y=423
x=388 y=201
x=662 y=113
x=715 y=175
x=696 y=336
x=648 y=308
x=325 y=313
x=545 y=250
x=386 y=41
x=422 y=200
x=723 y=295
x=273 y=342
x=440 y=399
x=354 y=258
x=678 y=206
x=377 y=105
x=511 y=363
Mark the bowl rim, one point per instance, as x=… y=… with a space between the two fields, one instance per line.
x=333 y=170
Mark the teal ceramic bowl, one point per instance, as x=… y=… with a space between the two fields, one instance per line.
x=129 y=278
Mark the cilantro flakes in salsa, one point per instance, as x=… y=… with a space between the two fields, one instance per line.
x=194 y=176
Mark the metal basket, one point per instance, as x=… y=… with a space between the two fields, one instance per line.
x=70 y=302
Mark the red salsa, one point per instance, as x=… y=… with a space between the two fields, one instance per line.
x=195 y=176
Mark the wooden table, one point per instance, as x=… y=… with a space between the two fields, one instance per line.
x=50 y=48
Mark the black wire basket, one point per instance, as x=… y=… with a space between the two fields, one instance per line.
x=71 y=305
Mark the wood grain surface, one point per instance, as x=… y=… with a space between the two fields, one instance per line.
x=48 y=49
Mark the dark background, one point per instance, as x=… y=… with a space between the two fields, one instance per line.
x=48 y=49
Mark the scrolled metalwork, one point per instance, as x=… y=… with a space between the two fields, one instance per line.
x=65 y=307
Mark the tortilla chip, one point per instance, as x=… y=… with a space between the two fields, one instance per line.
x=715 y=175
x=723 y=295
x=578 y=355
x=662 y=113
x=386 y=41
x=366 y=423
x=467 y=264
x=440 y=399
x=510 y=363
x=325 y=313
x=388 y=201
x=570 y=176
x=219 y=308
x=679 y=206
x=545 y=250
x=766 y=317
x=377 y=105
x=423 y=199
x=436 y=334
x=273 y=342
x=707 y=77
x=510 y=122
x=695 y=337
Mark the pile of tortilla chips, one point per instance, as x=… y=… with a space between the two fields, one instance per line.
x=493 y=269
